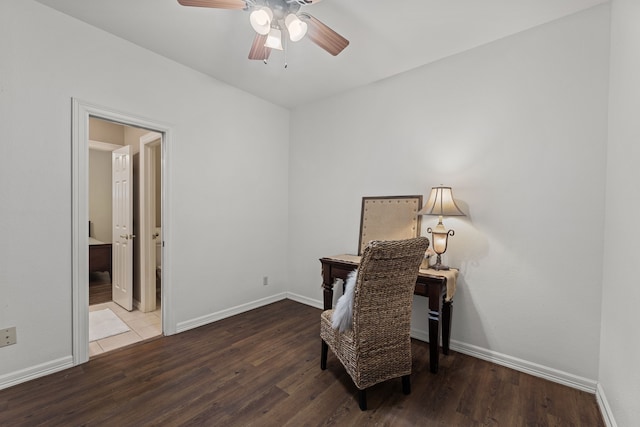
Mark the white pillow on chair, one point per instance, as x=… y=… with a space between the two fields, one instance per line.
x=343 y=313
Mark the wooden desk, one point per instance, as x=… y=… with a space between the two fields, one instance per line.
x=427 y=285
x=100 y=258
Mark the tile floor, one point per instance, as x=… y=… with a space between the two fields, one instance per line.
x=142 y=326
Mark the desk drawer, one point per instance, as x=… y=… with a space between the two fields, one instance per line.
x=341 y=272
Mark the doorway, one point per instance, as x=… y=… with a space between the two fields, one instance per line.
x=84 y=142
x=124 y=186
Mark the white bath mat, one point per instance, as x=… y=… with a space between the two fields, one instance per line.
x=104 y=323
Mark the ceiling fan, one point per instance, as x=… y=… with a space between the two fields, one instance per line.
x=271 y=18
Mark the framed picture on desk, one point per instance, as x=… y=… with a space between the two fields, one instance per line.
x=389 y=218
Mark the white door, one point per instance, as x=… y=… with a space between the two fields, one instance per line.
x=122 y=227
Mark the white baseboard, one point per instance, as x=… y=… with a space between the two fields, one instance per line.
x=551 y=374
x=419 y=334
x=305 y=300
x=605 y=409
x=223 y=314
x=34 y=372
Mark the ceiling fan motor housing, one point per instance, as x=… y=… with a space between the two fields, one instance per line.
x=282 y=8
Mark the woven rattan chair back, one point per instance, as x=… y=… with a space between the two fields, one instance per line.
x=378 y=347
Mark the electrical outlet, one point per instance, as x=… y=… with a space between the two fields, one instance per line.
x=7 y=336
x=265 y=280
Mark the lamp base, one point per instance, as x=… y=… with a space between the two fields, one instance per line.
x=439 y=265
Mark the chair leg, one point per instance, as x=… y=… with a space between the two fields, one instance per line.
x=362 y=399
x=323 y=355
x=406 y=384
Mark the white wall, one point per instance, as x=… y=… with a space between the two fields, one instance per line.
x=620 y=347
x=518 y=128
x=228 y=177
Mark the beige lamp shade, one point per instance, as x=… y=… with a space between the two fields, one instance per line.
x=441 y=203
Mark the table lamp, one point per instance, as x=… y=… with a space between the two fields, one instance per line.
x=440 y=203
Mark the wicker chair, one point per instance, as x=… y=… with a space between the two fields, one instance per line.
x=378 y=346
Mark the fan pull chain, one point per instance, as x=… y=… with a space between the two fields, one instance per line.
x=286 y=45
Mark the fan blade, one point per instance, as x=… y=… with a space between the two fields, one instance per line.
x=219 y=4
x=324 y=36
x=258 y=49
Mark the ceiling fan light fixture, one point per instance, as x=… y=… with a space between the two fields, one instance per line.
x=261 y=20
x=274 y=39
x=297 y=29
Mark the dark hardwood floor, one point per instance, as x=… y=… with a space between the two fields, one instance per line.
x=262 y=368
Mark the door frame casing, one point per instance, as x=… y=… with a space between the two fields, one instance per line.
x=81 y=112
x=147 y=223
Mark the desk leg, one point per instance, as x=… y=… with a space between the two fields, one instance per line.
x=327 y=292
x=327 y=287
x=447 y=310
x=435 y=301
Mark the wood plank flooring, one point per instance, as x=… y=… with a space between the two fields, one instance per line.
x=262 y=368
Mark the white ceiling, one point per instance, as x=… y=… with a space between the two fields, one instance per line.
x=387 y=38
